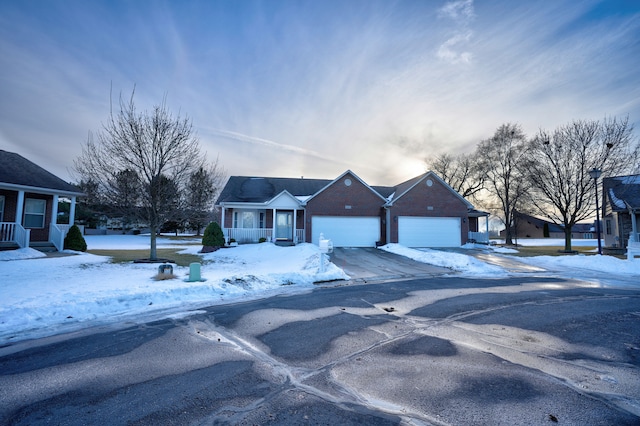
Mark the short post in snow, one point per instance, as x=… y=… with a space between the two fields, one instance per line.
x=194 y=272
x=326 y=246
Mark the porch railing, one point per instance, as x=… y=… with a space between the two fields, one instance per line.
x=479 y=237
x=11 y=232
x=253 y=235
x=57 y=233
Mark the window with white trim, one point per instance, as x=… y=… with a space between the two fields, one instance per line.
x=244 y=219
x=34 y=211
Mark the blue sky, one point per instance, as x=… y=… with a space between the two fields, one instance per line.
x=313 y=88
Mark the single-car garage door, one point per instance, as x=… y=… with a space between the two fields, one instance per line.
x=429 y=231
x=347 y=231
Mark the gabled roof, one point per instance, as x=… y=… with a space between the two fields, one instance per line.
x=18 y=173
x=405 y=187
x=340 y=177
x=622 y=192
x=523 y=217
x=248 y=189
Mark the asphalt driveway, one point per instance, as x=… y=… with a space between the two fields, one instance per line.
x=370 y=264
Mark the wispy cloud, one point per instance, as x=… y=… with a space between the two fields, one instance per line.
x=461 y=12
x=313 y=88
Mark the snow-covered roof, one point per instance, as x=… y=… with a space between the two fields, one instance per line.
x=622 y=192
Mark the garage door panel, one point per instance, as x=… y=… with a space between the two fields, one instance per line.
x=429 y=231
x=347 y=231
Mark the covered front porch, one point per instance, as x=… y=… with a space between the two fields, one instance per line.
x=281 y=220
x=29 y=219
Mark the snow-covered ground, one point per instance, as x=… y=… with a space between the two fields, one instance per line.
x=42 y=295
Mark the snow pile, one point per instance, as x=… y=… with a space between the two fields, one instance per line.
x=43 y=296
x=20 y=254
x=608 y=264
x=458 y=262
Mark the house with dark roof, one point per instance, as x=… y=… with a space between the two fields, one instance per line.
x=29 y=203
x=421 y=212
x=527 y=226
x=621 y=210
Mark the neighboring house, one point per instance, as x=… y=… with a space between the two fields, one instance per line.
x=527 y=226
x=421 y=212
x=621 y=210
x=29 y=203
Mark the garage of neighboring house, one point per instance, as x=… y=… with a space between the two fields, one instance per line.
x=347 y=231
x=416 y=231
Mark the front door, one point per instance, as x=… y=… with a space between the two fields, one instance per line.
x=284 y=225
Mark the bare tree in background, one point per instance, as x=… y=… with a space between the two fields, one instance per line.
x=460 y=172
x=559 y=165
x=204 y=184
x=501 y=159
x=160 y=150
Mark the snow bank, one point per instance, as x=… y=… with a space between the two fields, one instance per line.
x=41 y=296
x=608 y=264
x=458 y=262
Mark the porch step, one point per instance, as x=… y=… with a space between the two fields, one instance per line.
x=285 y=243
x=8 y=246
x=43 y=246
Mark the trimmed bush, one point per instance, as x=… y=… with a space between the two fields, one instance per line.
x=74 y=240
x=213 y=236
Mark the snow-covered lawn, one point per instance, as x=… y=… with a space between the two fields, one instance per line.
x=42 y=295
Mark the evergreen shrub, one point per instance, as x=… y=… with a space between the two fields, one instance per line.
x=74 y=240
x=213 y=236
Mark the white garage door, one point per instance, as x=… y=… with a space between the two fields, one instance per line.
x=429 y=231
x=347 y=231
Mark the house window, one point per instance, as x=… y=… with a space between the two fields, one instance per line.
x=34 y=211
x=607 y=225
x=1 y=208
x=244 y=219
x=261 y=224
x=247 y=219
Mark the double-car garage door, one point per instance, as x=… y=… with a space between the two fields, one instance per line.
x=429 y=231
x=365 y=231
x=347 y=231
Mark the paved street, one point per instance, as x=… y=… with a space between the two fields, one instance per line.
x=432 y=350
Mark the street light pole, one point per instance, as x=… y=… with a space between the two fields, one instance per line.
x=595 y=174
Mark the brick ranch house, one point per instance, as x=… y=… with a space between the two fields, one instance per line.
x=421 y=212
x=29 y=204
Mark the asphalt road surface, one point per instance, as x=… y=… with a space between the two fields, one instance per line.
x=530 y=350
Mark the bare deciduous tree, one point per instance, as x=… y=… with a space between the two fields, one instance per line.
x=159 y=150
x=501 y=160
x=203 y=185
x=559 y=165
x=460 y=172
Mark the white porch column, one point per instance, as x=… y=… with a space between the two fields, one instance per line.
x=222 y=217
x=54 y=210
x=295 y=217
x=72 y=212
x=486 y=223
x=273 y=230
x=20 y=207
x=634 y=225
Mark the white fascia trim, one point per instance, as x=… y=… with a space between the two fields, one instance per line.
x=439 y=179
x=37 y=190
x=340 y=177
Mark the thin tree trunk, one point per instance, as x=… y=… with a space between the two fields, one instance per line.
x=567 y=239
x=153 y=254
